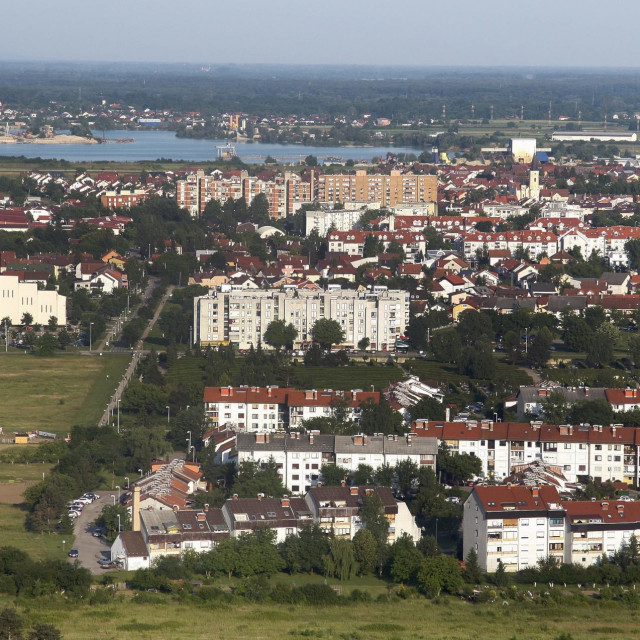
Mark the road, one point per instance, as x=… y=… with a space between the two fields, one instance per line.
x=136 y=354
x=90 y=549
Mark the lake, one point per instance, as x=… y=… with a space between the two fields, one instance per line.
x=152 y=145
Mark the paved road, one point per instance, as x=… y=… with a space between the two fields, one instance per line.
x=111 y=412
x=90 y=549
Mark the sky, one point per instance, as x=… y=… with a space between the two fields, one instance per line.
x=560 y=33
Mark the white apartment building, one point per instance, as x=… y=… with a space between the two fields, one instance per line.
x=323 y=221
x=520 y=525
x=18 y=298
x=242 y=317
x=269 y=409
x=608 y=242
x=352 y=242
x=534 y=242
x=581 y=451
x=300 y=457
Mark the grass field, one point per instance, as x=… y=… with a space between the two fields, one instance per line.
x=446 y=373
x=156 y=616
x=53 y=394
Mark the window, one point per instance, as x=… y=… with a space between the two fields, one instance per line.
x=598 y=458
x=567 y=445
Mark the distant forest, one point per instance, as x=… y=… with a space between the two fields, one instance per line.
x=401 y=93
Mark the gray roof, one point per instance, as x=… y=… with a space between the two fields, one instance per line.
x=614 y=278
x=532 y=395
x=285 y=442
x=559 y=303
x=393 y=445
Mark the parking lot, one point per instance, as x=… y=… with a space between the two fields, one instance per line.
x=90 y=549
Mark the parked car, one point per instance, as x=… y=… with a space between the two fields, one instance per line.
x=97 y=533
x=73 y=553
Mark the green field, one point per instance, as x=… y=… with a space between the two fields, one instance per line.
x=10 y=473
x=156 y=616
x=53 y=394
x=446 y=373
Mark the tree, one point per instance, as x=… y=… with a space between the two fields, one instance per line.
x=632 y=248
x=457 y=467
x=472 y=572
x=109 y=520
x=311 y=161
x=254 y=478
x=52 y=325
x=372 y=246
x=576 y=333
x=540 y=349
x=11 y=624
x=327 y=332
x=362 y=475
x=45 y=632
x=27 y=319
x=279 y=334
x=384 y=475
x=407 y=473
x=364 y=343
x=314 y=546
x=512 y=344
x=341 y=562
x=373 y=518
x=428 y=408
x=380 y=417
x=46 y=345
x=500 y=577
x=64 y=339
x=599 y=349
x=591 y=412
x=634 y=350
x=365 y=551
x=333 y=475
x=440 y=573
x=404 y=559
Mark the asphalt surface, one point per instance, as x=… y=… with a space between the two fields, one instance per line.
x=91 y=549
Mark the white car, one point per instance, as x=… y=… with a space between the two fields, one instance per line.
x=84 y=500
x=73 y=513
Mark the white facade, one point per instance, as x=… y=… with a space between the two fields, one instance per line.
x=340 y=220
x=18 y=298
x=242 y=317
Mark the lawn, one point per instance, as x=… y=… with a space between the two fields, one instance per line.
x=157 y=616
x=356 y=377
x=53 y=394
x=37 y=545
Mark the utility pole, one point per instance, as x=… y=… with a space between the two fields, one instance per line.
x=6 y=337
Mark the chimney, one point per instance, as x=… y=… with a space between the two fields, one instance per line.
x=136 y=508
x=176 y=508
x=535 y=492
x=353 y=491
x=235 y=496
x=447 y=414
x=311 y=438
x=268 y=392
x=284 y=501
x=206 y=507
x=343 y=483
x=260 y=496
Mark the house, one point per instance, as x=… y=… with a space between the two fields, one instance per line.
x=337 y=509
x=130 y=549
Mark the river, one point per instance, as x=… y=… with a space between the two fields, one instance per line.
x=152 y=145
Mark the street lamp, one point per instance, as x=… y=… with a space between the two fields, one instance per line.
x=118 y=405
x=118 y=488
x=168 y=408
x=436 y=532
x=118 y=522
x=114 y=499
x=127 y=479
x=90 y=325
x=141 y=472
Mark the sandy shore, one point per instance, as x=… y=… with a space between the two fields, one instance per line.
x=60 y=139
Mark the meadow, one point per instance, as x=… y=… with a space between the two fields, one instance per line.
x=54 y=394
x=152 y=616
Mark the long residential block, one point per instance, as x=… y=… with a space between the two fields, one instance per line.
x=241 y=318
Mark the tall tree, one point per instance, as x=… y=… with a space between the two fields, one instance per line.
x=327 y=332
x=341 y=562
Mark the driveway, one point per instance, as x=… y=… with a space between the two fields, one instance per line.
x=90 y=549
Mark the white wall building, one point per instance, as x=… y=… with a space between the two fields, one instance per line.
x=18 y=298
x=242 y=317
x=339 y=219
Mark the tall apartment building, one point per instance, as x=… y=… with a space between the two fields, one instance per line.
x=18 y=298
x=323 y=221
x=283 y=191
x=519 y=526
x=388 y=189
x=122 y=199
x=241 y=317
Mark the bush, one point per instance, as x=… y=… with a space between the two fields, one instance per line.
x=319 y=594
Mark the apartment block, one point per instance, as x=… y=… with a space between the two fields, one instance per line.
x=269 y=409
x=581 y=451
x=242 y=317
x=323 y=221
x=122 y=199
x=300 y=457
x=283 y=191
x=389 y=189
x=519 y=526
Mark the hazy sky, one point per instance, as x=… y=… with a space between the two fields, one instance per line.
x=420 y=32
